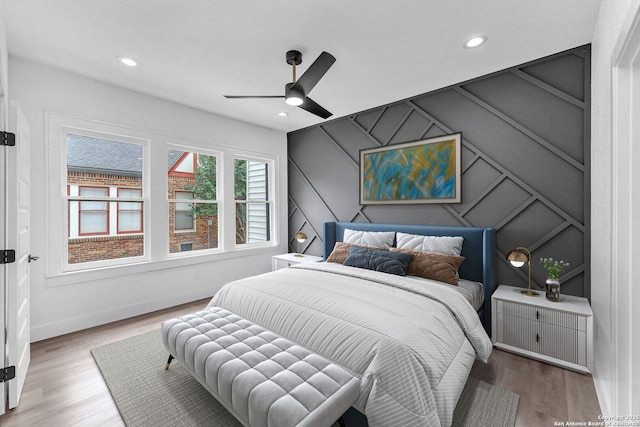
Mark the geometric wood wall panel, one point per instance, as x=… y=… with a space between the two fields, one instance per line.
x=525 y=164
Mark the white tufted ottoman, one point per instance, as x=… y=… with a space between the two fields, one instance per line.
x=263 y=379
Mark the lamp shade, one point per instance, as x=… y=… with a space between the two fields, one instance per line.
x=518 y=257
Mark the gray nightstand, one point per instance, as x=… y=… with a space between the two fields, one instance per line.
x=287 y=260
x=560 y=333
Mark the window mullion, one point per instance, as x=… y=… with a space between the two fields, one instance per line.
x=103 y=199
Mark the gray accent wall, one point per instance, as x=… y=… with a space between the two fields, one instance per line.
x=525 y=164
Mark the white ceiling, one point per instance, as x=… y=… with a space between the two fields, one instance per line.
x=194 y=52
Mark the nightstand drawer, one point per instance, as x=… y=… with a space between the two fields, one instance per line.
x=543 y=315
x=543 y=338
x=281 y=263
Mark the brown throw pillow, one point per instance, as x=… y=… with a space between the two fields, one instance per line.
x=430 y=265
x=340 y=252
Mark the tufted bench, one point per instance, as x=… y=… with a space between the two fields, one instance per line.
x=264 y=380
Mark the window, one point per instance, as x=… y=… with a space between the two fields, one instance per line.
x=100 y=171
x=94 y=215
x=251 y=192
x=192 y=176
x=184 y=212
x=100 y=186
x=129 y=213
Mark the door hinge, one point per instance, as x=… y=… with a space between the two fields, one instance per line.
x=7 y=374
x=7 y=256
x=7 y=139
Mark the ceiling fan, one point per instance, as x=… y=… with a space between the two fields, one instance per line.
x=295 y=93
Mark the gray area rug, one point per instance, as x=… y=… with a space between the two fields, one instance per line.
x=147 y=395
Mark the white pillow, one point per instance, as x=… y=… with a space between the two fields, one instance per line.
x=379 y=239
x=447 y=245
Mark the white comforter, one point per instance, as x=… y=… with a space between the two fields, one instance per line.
x=411 y=344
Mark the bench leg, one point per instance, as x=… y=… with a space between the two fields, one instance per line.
x=166 y=368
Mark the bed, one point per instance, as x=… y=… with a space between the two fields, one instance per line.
x=411 y=343
x=479 y=250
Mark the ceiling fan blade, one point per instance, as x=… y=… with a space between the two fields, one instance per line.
x=252 y=97
x=314 y=73
x=313 y=107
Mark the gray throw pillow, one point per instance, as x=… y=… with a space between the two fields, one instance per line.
x=379 y=260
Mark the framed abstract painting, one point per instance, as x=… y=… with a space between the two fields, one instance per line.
x=426 y=171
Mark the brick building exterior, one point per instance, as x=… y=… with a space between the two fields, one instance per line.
x=204 y=236
x=97 y=248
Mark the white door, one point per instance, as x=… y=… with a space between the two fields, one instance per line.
x=18 y=299
x=3 y=229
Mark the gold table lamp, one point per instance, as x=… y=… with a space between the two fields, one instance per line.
x=518 y=257
x=300 y=237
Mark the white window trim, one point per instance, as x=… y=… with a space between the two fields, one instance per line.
x=154 y=198
x=271 y=162
x=219 y=156
x=58 y=127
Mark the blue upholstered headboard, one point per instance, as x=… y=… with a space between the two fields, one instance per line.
x=478 y=248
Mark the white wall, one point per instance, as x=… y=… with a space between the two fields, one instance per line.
x=613 y=326
x=61 y=309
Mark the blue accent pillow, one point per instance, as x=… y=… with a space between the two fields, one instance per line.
x=378 y=260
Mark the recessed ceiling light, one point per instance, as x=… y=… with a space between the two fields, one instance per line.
x=127 y=61
x=283 y=114
x=475 y=41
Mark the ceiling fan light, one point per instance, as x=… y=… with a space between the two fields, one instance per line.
x=294 y=100
x=293 y=96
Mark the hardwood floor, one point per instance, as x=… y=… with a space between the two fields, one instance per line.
x=64 y=387
x=547 y=393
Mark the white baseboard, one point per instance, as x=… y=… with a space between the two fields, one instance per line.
x=66 y=326
x=603 y=392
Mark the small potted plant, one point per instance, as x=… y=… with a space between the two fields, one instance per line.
x=553 y=268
